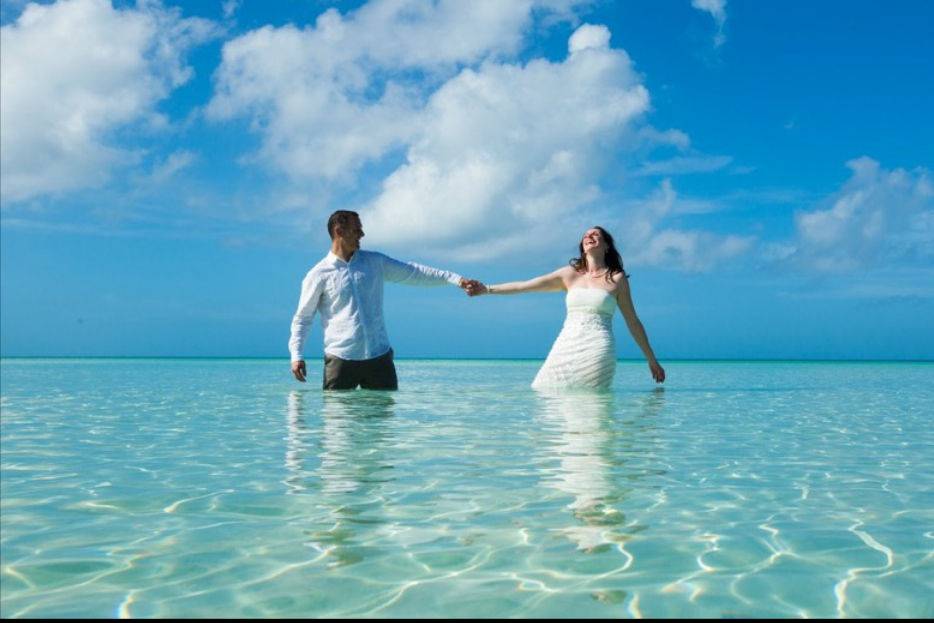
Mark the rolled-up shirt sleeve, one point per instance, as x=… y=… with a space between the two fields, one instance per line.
x=301 y=322
x=416 y=274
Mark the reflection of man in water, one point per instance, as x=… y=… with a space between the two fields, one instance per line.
x=351 y=468
x=346 y=289
x=296 y=449
x=584 y=429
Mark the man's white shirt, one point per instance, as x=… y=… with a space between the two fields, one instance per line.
x=349 y=298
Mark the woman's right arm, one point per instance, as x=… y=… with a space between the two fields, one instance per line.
x=552 y=282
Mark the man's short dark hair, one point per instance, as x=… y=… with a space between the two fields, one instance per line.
x=343 y=218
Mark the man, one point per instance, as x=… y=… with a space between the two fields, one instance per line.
x=346 y=288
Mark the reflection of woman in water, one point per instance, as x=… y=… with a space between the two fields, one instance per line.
x=583 y=433
x=355 y=429
x=584 y=355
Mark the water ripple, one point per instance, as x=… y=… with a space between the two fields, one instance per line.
x=195 y=488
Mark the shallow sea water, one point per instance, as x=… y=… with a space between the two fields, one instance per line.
x=203 y=488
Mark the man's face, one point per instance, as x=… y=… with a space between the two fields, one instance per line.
x=352 y=234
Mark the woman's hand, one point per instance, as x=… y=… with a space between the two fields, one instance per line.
x=658 y=372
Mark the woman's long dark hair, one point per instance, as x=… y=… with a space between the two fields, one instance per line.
x=614 y=262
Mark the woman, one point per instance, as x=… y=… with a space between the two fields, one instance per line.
x=584 y=354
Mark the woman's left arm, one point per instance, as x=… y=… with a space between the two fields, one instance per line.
x=624 y=300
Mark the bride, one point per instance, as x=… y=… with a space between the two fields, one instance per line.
x=584 y=355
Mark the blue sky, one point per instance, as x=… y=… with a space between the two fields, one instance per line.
x=167 y=170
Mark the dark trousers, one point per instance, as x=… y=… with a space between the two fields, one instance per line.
x=377 y=373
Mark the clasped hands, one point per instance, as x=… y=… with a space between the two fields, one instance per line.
x=472 y=287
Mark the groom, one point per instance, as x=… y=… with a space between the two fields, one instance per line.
x=346 y=288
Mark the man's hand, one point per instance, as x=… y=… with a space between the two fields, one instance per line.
x=658 y=372
x=472 y=287
x=298 y=369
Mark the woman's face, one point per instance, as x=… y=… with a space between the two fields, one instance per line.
x=593 y=240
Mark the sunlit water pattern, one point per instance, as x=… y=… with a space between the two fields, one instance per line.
x=202 y=488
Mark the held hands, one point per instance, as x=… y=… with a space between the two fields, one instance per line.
x=473 y=287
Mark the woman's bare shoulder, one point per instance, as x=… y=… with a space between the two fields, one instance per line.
x=620 y=282
x=565 y=275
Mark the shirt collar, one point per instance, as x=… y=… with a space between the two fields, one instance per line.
x=334 y=260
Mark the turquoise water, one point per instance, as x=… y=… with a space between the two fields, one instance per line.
x=199 y=488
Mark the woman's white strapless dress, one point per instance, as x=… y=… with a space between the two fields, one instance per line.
x=584 y=354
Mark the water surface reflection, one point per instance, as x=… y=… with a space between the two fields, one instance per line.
x=601 y=447
x=352 y=442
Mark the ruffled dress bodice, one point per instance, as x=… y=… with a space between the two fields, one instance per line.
x=584 y=353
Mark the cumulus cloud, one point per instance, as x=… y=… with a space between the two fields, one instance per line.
x=717 y=9
x=648 y=238
x=72 y=73
x=589 y=36
x=515 y=145
x=488 y=154
x=878 y=217
x=330 y=97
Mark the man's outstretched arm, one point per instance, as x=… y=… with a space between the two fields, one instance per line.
x=301 y=323
x=418 y=274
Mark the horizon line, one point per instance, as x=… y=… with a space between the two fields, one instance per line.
x=450 y=358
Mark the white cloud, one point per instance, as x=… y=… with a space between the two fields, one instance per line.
x=691 y=250
x=648 y=239
x=589 y=36
x=717 y=9
x=878 y=218
x=519 y=146
x=496 y=155
x=680 y=165
x=72 y=73
x=331 y=97
x=675 y=138
x=230 y=7
x=173 y=164
x=309 y=106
